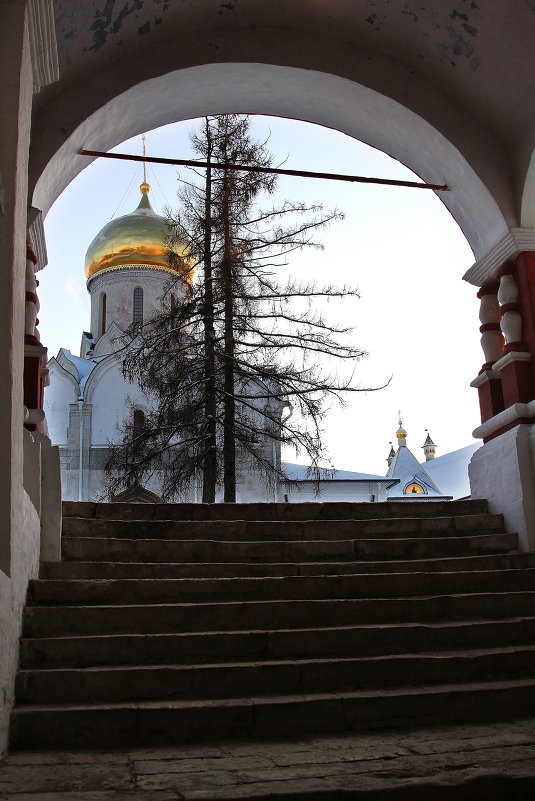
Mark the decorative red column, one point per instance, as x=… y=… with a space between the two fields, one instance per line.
x=524 y=275
x=35 y=370
x=515 y=366
x=503 y=470
x=488 y=383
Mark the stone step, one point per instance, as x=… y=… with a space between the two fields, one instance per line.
x=218 y=646
x=258 y=530
x=88 y=570
x=238 y=616
x=271 y=511
x=189 y=622
x=154 y=550
x=232 y=680
x=379 y=585
x=167 y=722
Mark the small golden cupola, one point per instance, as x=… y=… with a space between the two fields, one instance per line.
x=136 y=240
x=401 y=434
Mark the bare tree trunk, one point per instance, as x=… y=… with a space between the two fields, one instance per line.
x=229 y=404
x=210 y=452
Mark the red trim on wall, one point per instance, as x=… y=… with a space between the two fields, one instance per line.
x=490 y=288
x=509 y=268
x=507 y=307
x=490 y=395
x=29 y=339
x=516 y=346
x=30 y=255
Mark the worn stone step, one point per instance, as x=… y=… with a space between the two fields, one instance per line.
x=141 y=649
x=474 y=762
x=80 y=570
x=238 y=616
x=267 y=677
x=115 y=726
x=271 y=511
x=379 y=585
x=251 y=530
x=152 y=550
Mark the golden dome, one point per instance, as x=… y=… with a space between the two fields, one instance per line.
x=134 y=240
x=401 y=434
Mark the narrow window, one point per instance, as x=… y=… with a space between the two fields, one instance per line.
x=102 y=313
x=138 y=306
x=139 y=421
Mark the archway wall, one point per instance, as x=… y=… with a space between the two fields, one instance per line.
x=288 y=92
x=443 y=87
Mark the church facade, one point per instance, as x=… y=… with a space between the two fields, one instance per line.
x=88 y=398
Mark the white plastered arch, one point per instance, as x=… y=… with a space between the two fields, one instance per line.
x=295 y=93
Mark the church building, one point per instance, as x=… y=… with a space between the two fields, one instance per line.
x=127 y=274
x=128 y=271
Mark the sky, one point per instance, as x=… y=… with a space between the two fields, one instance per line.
x=416 y=318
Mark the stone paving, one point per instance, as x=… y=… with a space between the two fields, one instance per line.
x=456 y=762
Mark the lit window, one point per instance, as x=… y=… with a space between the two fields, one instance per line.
x=413 y=489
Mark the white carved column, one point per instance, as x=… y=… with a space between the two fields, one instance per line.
x=511 y=323
x=488 y=381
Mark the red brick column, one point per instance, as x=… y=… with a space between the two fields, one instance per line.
x=517 y=299
x=35 y=371
x=488 y=383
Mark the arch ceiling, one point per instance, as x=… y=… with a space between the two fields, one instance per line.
x=445 y=86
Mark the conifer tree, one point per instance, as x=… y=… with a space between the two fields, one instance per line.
x=222 y=368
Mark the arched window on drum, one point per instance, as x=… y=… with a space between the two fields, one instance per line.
x=102 y=313
x=138 y=307
x=138 y=422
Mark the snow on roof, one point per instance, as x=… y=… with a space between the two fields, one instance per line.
x=83 y=366
x=450 y=471
x=407 y=469
x=301 y=472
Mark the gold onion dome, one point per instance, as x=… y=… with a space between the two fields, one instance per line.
x=401 y=434
x=134 y=240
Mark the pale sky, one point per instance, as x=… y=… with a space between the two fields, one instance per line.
x=416 y=317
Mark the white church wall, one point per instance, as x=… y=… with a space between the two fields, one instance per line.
x=330 y=492
x=61 y=392
x=107 y=390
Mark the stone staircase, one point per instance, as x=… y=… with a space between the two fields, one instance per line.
x=181 y=623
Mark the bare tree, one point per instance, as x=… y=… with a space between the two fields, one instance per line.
x=221 y=367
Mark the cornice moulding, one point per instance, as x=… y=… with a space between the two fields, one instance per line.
x=43 y=43
x=512 y=356
x=484 y=378
x=513 y=242
x=37 y=235
x=509 y=415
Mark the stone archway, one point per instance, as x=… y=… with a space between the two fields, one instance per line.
x=306 y=95
x=480 y=200
x=445 y=89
